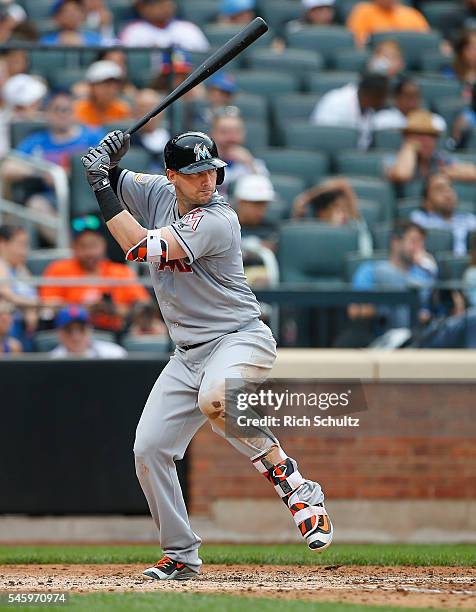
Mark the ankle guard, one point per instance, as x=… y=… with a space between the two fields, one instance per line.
x=284 y=475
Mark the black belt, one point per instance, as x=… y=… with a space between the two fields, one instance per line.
x=187 y=347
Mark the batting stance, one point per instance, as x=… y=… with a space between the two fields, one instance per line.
x=192 y=245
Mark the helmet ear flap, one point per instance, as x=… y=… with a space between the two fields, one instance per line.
x=220 y=175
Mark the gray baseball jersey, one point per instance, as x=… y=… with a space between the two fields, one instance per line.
x=205 y=295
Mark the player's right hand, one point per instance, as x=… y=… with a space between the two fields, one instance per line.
x=116 y=144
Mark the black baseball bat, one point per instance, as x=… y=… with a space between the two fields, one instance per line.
x=222 y=56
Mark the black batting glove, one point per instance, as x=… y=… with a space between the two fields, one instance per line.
x=97 y=164
x=116 y=144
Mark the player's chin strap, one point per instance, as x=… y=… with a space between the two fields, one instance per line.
x=150 y=249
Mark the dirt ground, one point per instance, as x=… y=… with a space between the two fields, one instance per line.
x=438 y=587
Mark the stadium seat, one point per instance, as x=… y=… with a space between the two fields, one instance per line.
x=368 y=163
x=294 y=61
x=471 y=142
x=351 y=60
x=449 y=108
x=437 y=240
x=278 y=12
x=288 y=187
x=466 y=191
x=46 y=63
x=139 y=66
x=434 y=61
x=434 y=12
x=344 y=8
x=38 y=260
x=387 y=139
x=252 y=106
x=371 y=211
x=65 y=79
x=291 y=107
x=323 y=82
x=353 y=261
x=200 y=12
x=36 y=9
x=413 y=44
x=146 y=344
x=266 y=83
x=323 y=138
x=19 y=130
x=325 y=39
x=257 y=134
x=312 y=251
x=434 y=88
x=452 y=267
x=405 y=207
x=218 y=34
x=376 y=190
x=310 y=166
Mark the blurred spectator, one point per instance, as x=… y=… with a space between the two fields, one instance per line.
x=229 y=132
x=173 y=69
x=408 y=266
x=12 y=62
x=103 y=104
x=387 y=59
x=108 y=305
x=438 y=211
x=419 y=155
x=75 y=335
x=62 y=138
x=146 y=320
x=464 y=123
x=368 y=18
x=461 y=17
x=469 y=276
x=12 y=15
x=237 y=11
x=406 y=98
x=14 y=283
x=332 y=201
x=99 y=18
x=70 y=19
x=315 y=13
x=253 y=193
x=153 y=136
x=353 y=106
x=8 y=344
x=464 y=66
x=158 y=27
x=221 y=90
x=118 y=56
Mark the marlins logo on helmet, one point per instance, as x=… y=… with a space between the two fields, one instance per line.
x=201 y=152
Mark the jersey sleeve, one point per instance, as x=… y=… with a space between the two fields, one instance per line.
x=139 y=192
x=202 y=233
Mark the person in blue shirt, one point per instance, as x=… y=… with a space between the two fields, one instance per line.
x=62 y=138
x=70 y=17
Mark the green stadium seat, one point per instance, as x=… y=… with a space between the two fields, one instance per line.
x=326 y=40
x=435 y=87
x=361 y=163
x=351 y=60
x=371 y=211
x=291 y=107
x=312 y=251
x=146 y=344
x=413 y=44
x=278 y=12
x=294 y=61
x=19 y=130
x=266 y=83
x=200 y=12
x=452 y=267
x=377 y=190
x=252 y=106
x=405 y=207
x=323 y=138
x=257 y=134
x=65 y=79
x=47 y=63
x=325 y=81
x=434 y=61
x=310 y=166
x=139 y=63
x=387 y=139
x=218 y=34
x=38 y=260
x=449 y=108
x=353 y=261
x=288 y=187
x=344 y=8
x=36 y=9
x=436 y=11
x=466 y=191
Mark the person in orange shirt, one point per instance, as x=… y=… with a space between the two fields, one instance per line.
x=103 y=104
x=107 y=305
x=367 y=18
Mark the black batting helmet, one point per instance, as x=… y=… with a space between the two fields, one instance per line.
x=193 y=152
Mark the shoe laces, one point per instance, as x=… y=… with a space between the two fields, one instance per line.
x=164 y=562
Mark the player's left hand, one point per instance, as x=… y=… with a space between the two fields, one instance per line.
x=96 y=164
x=117 y=144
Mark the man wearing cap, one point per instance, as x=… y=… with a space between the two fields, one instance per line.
x=70 y=16
x=158 y=27
x=419 y=156
x=237 y=11
x=103 y=104
x=221 y=90
x=315 y=13
x=253 y=193
x=76 y=340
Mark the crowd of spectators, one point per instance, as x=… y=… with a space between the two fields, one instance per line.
x=423 y=144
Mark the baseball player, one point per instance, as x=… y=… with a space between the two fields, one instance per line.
x=191 y=240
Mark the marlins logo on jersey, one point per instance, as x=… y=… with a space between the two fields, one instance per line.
x=201 y=152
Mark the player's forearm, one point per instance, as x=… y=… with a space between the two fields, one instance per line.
x=126 y=230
